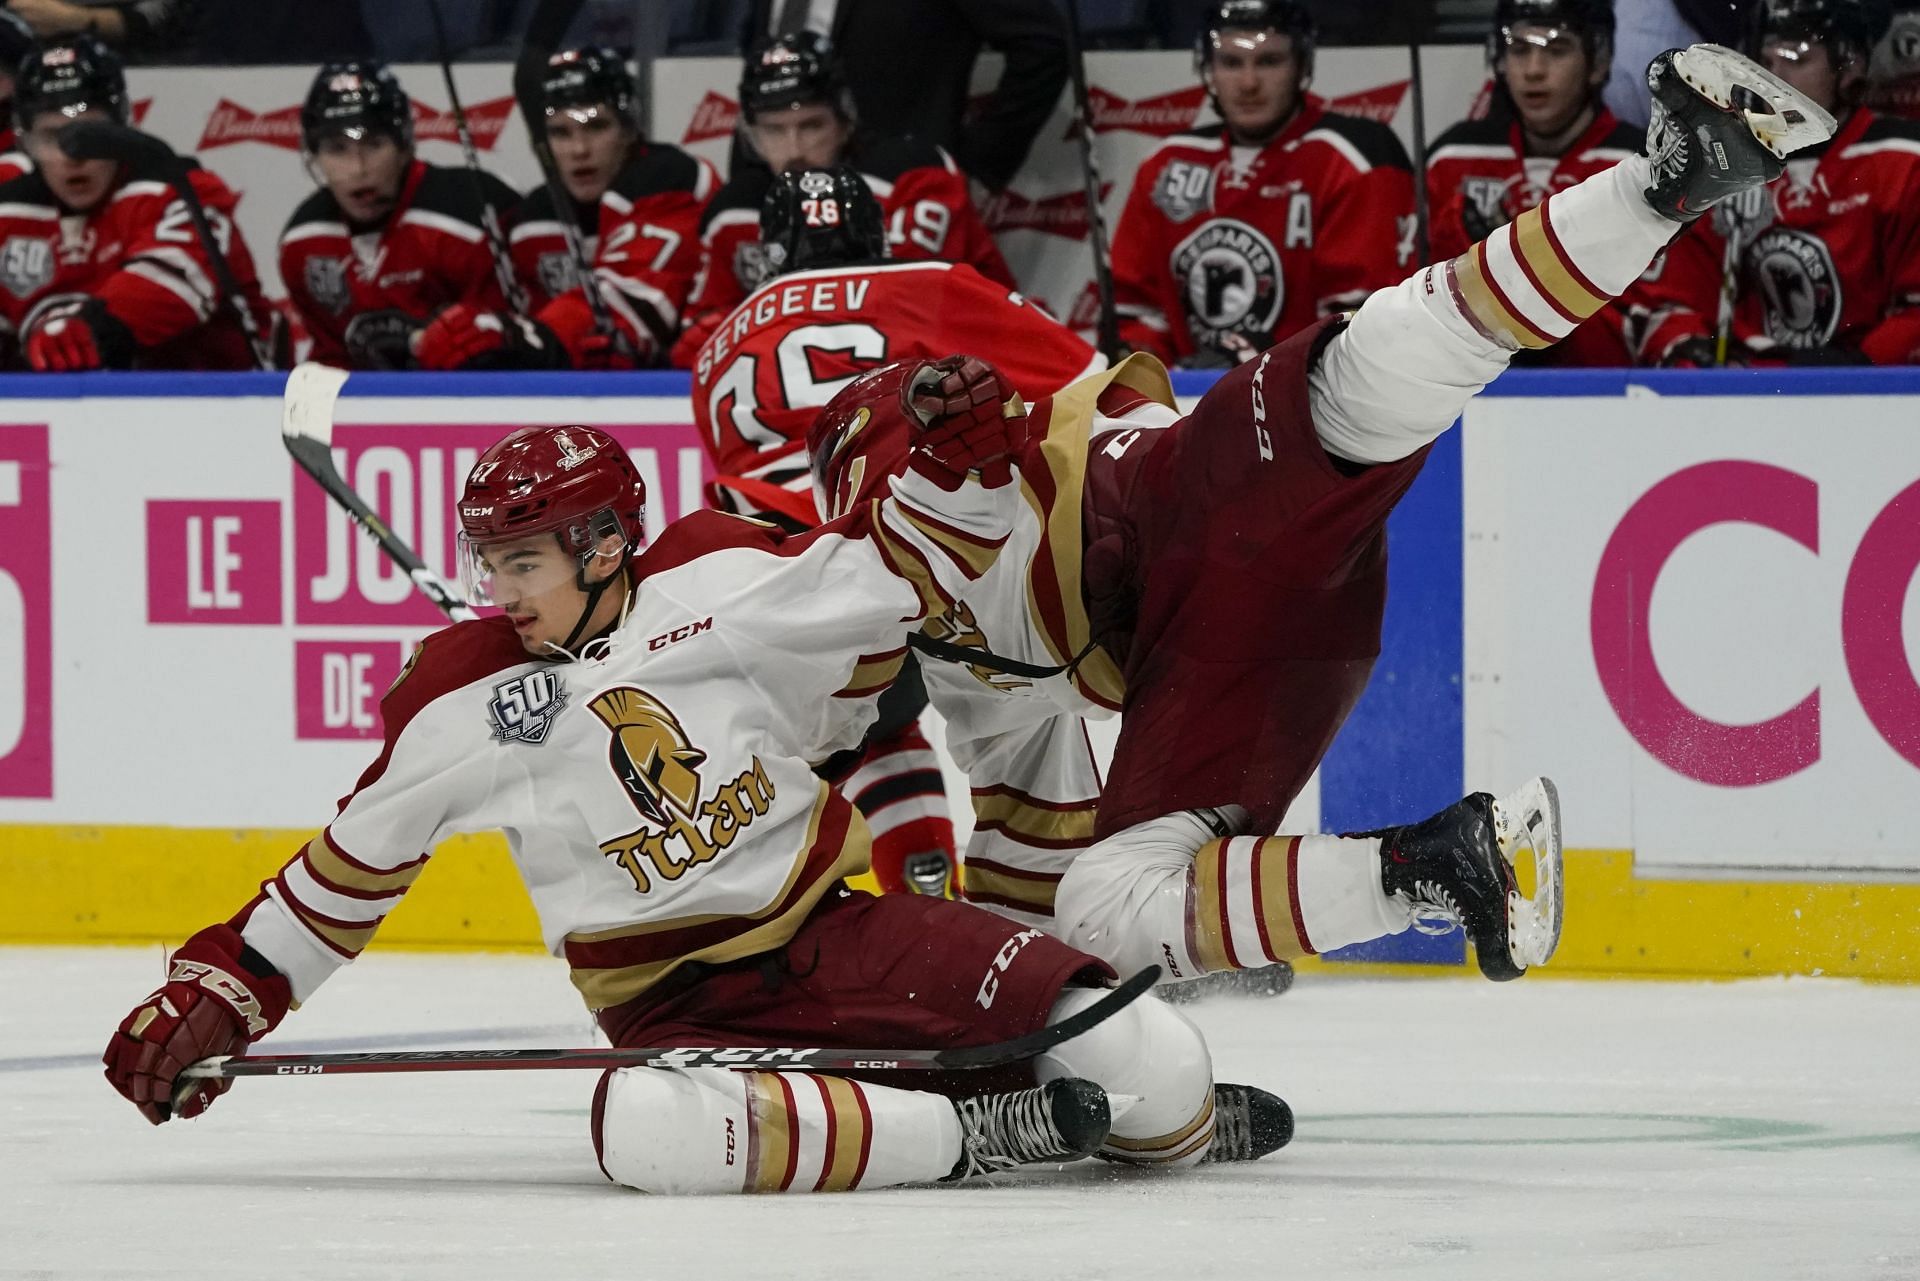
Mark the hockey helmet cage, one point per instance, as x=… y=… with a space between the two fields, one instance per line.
x=356 y=99
x=793 y=71
x=589 y=76
x=1288 y=17
x=70 y=75
x=821 y=218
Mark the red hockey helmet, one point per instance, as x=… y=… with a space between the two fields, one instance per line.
x=575 y=483
x=861 y=438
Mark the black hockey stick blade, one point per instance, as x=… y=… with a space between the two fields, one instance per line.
x=306 y=428
x=963 y=1058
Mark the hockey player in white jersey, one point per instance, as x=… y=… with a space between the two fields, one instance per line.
x=642 y=726
x=1221 y=578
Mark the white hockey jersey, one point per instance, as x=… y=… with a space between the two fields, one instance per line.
x=658 y=797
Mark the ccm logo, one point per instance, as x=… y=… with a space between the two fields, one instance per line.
x=1260 y=436
x=299 y=1069
x=990 y=985
x=730 y=1141
x=680 y=633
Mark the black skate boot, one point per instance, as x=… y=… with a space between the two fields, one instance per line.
x=1248 y=1123
x=1063 y=1120
x=1457 y=868
x=1721 y=125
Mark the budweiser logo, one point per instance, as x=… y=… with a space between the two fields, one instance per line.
x=1381 y=104
x=715 y=117
x=232 y=123
x=1161 y=116
x=1064 y=215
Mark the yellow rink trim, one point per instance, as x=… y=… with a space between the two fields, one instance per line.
x=61 y=884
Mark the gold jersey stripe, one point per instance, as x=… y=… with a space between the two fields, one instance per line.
x=351 y=940
x=1035 y=895
x=769 y=1133
x=1160 y=1144
x=334 y=870
x=1482 y=296
x=1206 y=934
x=1548 y=271
x=1021 y=816
x=874 y=672
x=841 y=1165
x=907 y=564
x=973 y=555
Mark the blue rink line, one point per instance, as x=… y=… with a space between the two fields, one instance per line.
x=391 y=1041
x=1828 y=381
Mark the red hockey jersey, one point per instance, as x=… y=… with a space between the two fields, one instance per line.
x=363 y=292
x=798 y=339
x=1829 y=255
x=1479 y=178
x=929 y=211
x=137 y=253
x=643 y=239
x=1217 y=239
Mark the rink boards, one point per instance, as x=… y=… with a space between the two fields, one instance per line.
x=1690 y=598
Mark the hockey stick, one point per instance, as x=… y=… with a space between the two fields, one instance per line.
x=110 y=140
x=306 y=428
x=962 y=1058
x=489 y=216
x=1422 y=213
x=545 y=30
x=1108 y=333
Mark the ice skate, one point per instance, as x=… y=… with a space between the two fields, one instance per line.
x=1464 y=867
x=1721 y=124
x=1063 y=1120
x=1248 y=1123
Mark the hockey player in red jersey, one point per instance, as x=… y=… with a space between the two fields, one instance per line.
x=835 y=307
x=16 y=42
x=1241 y=235
x=1826 y=258
x=388 y=240
x=1548 y=131
x=636 y=206
x=692 y=877
x=797 y=114
x=1219 y=579
x=101 y=268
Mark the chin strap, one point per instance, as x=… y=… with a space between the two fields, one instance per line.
x=594 y=592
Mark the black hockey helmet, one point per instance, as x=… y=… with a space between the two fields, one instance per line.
x=1288 y=17
x=589 y=76
x=1849 y=28
x=1591 y=20
x=793 y=71
x=16 y=39
x=821 y=218
x=68 y=75
x=356 y=99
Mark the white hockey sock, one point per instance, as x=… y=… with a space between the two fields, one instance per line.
x=1337 y=895
x=1154 y=1064
x=712 y=1130
x=1416 y=353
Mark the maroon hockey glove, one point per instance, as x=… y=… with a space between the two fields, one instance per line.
x=971 y=420
x=212 y=1004
x=76 y=338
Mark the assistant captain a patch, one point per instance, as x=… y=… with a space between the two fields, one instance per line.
x=523 y=709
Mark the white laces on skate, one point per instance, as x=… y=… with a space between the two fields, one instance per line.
x=1002 y=1131
x=1435 y=910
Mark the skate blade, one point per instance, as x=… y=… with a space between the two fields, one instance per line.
x=1793 y=120
x=1527 y=825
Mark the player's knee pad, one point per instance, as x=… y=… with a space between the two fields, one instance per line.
x=1125 y=899
x=660 y=1130
x=1152 y=1052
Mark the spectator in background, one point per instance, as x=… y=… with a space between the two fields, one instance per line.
x=136 y=27
x=1238 y=235
x=796 y=113
x=16 y=42
x=636 y=207
x=99 y=271
x=909 y=63
x=1648 y=28
x=1893 y=79
x=388 y=240
x=1548 y=131
x=1827 y=256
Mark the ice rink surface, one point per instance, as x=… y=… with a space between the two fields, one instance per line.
x=1766 y=1129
